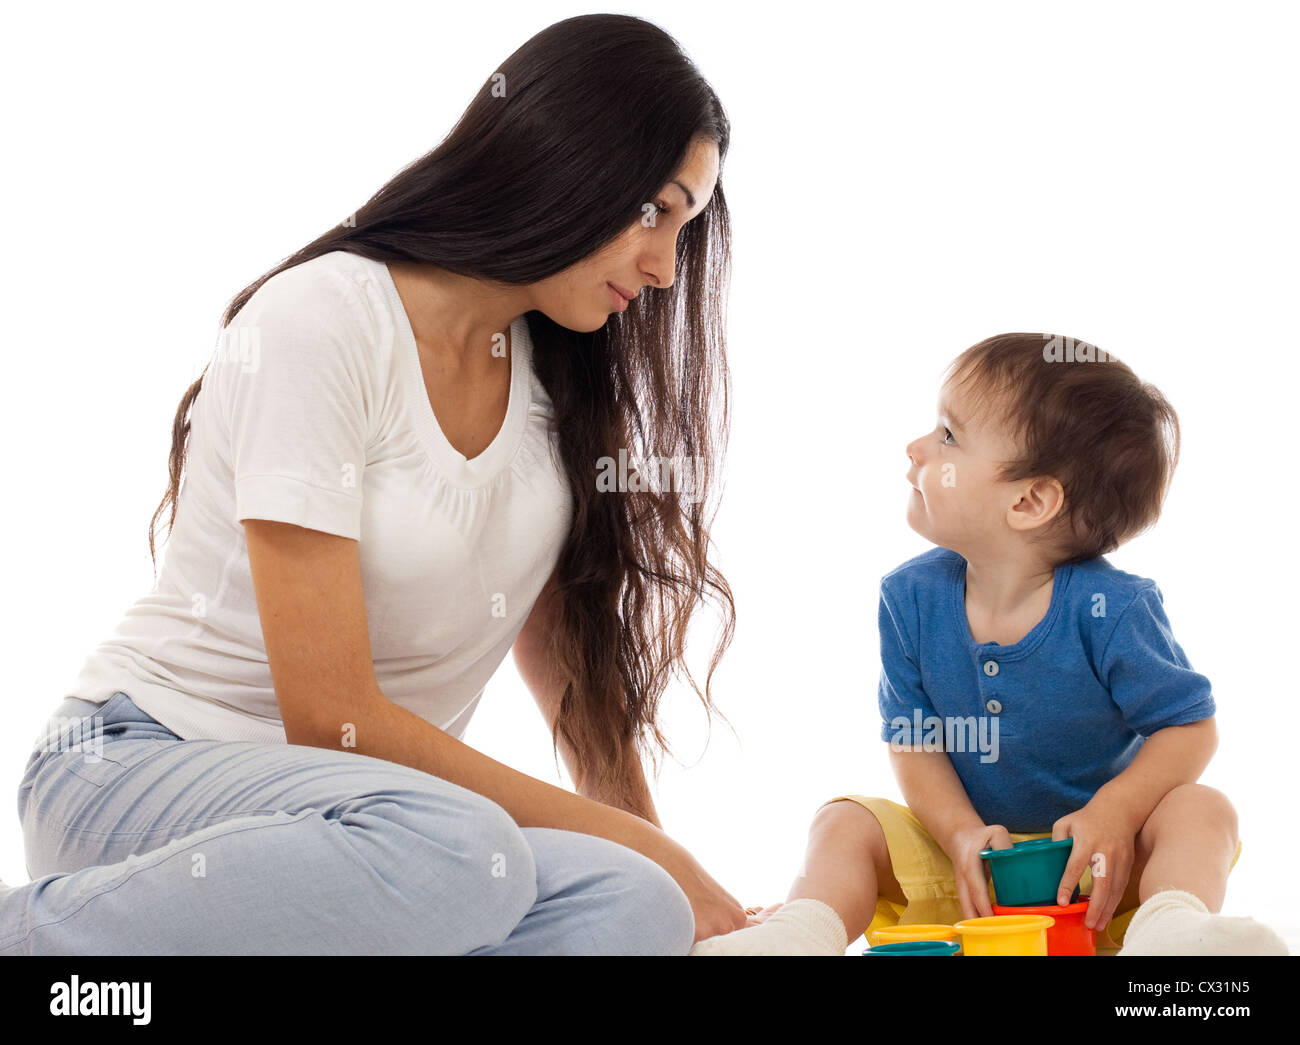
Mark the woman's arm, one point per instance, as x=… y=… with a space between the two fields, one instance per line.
x=537 y=671
x=312 y=608
x=311 y=603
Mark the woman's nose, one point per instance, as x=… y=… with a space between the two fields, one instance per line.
x=657 y=273
x=657 y=266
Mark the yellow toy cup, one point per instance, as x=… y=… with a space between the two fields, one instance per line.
x=1005 y=934
x=910 y=934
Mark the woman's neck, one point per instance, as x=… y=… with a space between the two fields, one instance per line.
x=455 y=316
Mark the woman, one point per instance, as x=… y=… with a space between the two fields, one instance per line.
x=395 y=476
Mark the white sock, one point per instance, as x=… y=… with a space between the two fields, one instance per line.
x=1177 y=922
x=803 y=926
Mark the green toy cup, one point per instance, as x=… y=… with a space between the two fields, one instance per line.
x=920 y=948
x=1028 y=874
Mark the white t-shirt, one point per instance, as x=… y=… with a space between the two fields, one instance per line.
x=314 y=411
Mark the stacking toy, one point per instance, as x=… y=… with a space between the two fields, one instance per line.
x=905 y=933
x=915 y=947
x=1068 y=935
x=1005 y=934
x=1029 y=873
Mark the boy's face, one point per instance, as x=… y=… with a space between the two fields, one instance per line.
x=956 y=501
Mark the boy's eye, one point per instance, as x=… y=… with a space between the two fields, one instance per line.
x=948 y=435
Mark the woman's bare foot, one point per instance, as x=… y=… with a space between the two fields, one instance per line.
x=806 y=926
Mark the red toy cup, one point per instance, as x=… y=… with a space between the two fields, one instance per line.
x=1068 y=935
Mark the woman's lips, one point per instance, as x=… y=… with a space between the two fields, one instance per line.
x=620 y=299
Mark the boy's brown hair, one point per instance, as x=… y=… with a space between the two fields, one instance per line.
x=1083 y=417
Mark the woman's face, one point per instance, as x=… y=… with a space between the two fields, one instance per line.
x=583 y=296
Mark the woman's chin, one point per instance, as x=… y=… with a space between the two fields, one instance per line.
x=583 y=323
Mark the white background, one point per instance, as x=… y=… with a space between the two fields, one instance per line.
x=905 y=180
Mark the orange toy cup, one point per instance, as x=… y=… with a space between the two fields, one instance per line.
x=1067 y=935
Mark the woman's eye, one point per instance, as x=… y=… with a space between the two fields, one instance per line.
x=661 y=208
x=948 y=435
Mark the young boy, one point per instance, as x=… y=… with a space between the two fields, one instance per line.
x=1028 y=687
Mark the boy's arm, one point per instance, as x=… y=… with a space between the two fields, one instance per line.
x=1153 y=684
x=1109 y=823
x=934 y=793
x=930 y=785
x=1171 y=756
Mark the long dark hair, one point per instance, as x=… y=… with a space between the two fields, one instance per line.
x=557 y=155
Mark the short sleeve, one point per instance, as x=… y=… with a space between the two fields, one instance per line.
x=292 y=376
x=1146 y=672
x=901 y=693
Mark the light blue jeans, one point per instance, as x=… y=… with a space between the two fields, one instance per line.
x=140 y=843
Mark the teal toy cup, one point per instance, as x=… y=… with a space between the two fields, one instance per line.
x=915 y=948
x=1028 y=874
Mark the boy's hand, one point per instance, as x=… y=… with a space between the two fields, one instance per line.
x=1103 y=834
x=972 y=876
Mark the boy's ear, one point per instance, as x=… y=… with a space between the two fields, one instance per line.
x=1040 y=501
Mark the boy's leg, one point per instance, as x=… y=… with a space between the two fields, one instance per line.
x=833 y=898
x=1187 y=843
x=846 y=865
x=1182 y=856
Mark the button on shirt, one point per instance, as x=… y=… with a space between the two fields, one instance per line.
x=1035 y=728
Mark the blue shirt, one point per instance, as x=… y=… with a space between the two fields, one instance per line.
x=1035 y=728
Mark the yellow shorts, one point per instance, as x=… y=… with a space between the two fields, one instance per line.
x=925 y=873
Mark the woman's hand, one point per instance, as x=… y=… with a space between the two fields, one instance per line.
x=1104 y=833
x=963 y=849
x=716 y=910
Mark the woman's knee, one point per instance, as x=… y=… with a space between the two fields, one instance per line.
x=456 y=860
x=614 y=899
x=656 y=914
